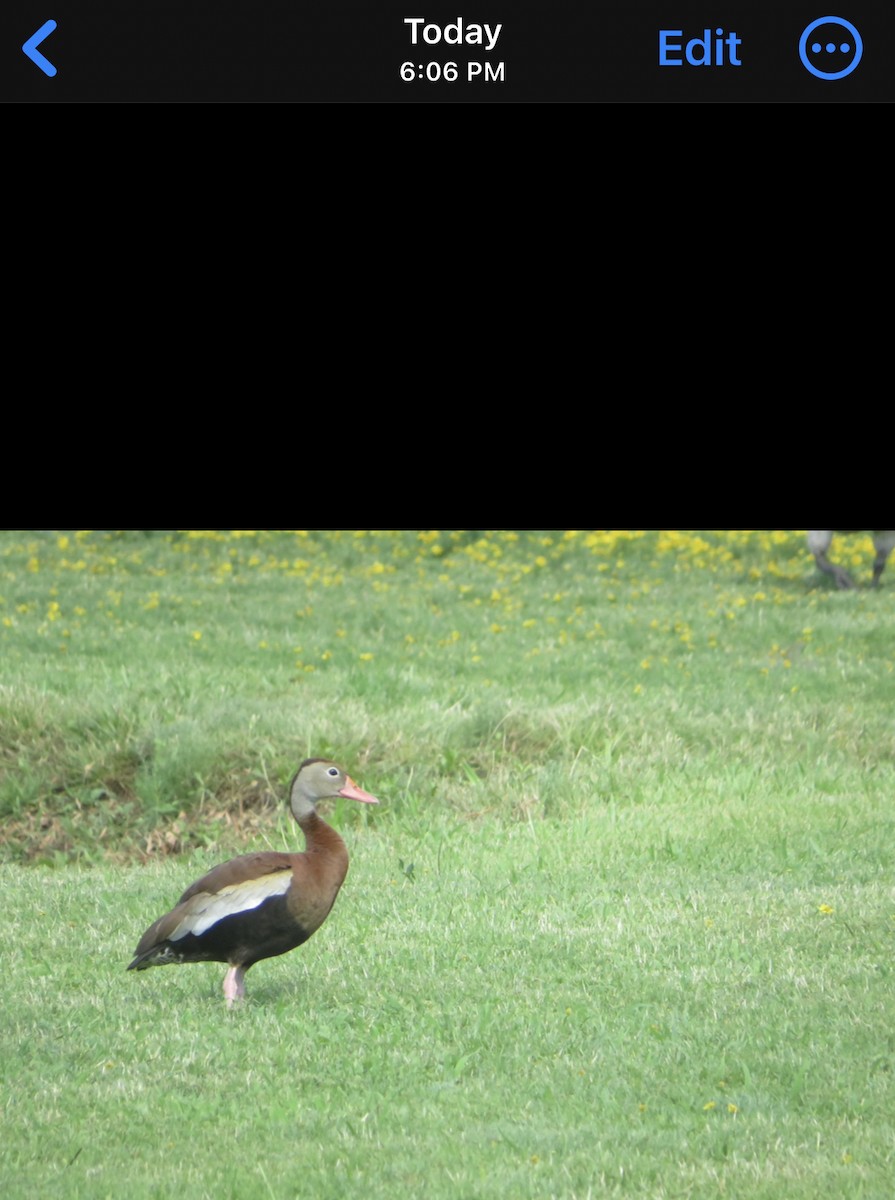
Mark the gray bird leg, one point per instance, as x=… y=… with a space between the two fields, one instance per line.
x=819 y=541
x=883 y=543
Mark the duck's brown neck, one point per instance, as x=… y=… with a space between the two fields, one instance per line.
x=321 y=838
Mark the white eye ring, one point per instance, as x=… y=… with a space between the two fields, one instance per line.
x=333 y=771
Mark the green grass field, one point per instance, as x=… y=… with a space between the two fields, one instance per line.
x=622 y=924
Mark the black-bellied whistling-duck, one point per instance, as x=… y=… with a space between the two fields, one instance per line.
x=260 y=905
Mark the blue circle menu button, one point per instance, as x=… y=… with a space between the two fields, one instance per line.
x=830 y=48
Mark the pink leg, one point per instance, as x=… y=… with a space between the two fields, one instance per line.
x=234 y=985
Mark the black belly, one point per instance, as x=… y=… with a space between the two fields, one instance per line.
x=244 y=938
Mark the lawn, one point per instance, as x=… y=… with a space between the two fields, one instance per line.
x=621 y=925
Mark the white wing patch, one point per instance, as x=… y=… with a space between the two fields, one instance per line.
x=206 y=910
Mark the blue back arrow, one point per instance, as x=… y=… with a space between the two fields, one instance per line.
x=30 y=48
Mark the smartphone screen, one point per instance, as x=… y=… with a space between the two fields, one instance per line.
x=481 y=52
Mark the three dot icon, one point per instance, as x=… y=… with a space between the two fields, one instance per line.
x=830 y=47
